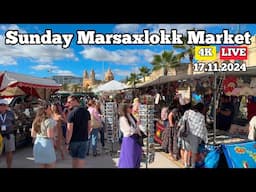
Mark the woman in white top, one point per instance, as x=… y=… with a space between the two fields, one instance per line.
x=43 y=130
x=131 y=150
x=252 y=129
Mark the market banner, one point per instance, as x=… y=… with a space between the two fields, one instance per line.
x=240 y=155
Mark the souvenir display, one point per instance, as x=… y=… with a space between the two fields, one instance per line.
x=111 y=121
x=24 y=116
x=146 y=115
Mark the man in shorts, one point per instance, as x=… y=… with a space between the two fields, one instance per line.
x=7 y=125
x=78 y=128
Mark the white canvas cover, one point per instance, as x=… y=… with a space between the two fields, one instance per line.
x=111 y=86
x=14 y=84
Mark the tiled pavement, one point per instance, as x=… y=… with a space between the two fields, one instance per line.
x=23 y=158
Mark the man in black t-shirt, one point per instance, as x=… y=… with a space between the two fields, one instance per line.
x=78 y=128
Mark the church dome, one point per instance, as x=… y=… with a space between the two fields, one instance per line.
x=109 y=75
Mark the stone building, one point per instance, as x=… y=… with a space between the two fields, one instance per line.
x=90 y=81
x=109 y=76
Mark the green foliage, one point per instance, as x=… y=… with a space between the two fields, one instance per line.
x=166 y=60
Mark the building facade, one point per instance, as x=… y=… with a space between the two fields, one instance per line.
x=67 y=79
x=90 y=81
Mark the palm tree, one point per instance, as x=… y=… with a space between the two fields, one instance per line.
x=133 y=79
x=166 y=60
x=144 y=71
x=125 y=80
x=188 y=50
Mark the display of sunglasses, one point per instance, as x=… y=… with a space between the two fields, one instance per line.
x=109 y=111
x=143 y=113
x=151 y=122
x=151 y=126
x=109 y=116
x=109 y=119
x=143 y=118
x=151 y=139
x=151 y=116
x=143 y=107
x=108 y=103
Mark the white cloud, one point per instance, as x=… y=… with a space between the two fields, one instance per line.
x=7 y=61
x=63 y=72
x=182 y=28
x=125 y=57
x=36 y=53
x=101 y=54
x=52 y=69
x=126 y=28
x=11 y=27
x=42 y=67
x=147 y=54
x=125 y=73
x=120 y=72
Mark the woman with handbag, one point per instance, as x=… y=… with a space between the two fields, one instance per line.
x=131 y=150
x=95 y=125
x=196 y=131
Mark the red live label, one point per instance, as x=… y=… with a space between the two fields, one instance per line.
x=233 y=52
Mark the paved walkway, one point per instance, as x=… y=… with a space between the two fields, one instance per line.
x=23 y=158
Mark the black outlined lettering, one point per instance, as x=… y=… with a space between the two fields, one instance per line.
x=13 y=37
x=162 y=37
x=85 y=37
x=200 y=37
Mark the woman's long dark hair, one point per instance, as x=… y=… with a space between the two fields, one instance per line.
x=123 y=112
x=40 y=117
x=199 y=107
x=57 y=110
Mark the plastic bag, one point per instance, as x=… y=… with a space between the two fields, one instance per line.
x=212 y=158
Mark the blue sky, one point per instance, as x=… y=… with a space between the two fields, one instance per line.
x=49 y=60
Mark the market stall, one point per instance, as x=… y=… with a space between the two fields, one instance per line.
x=240 y=155
x=24 y=93
x=14 y=84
